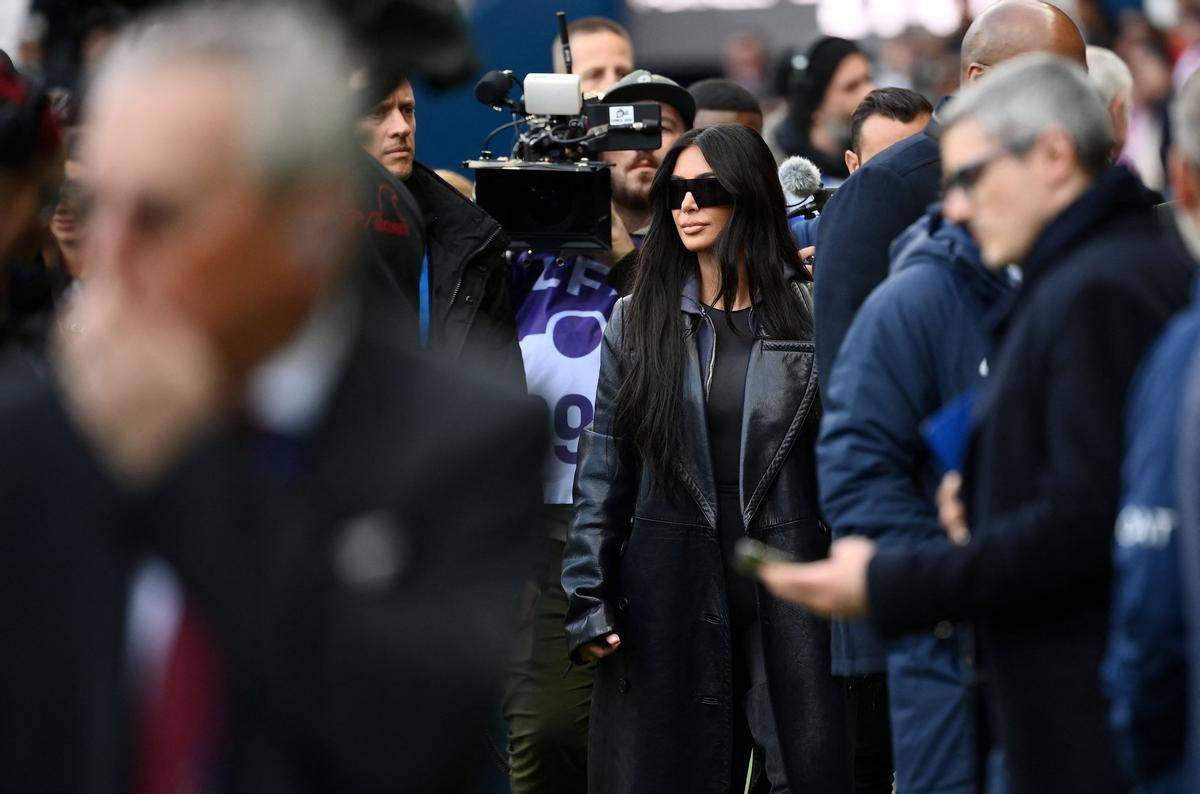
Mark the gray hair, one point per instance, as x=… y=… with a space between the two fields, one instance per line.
x=1111 y=75
x=299 y=110
x=1020 y=99
x=1185 y=120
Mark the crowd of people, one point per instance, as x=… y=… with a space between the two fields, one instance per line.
x=313 y=478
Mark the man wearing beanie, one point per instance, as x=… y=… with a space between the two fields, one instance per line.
x=823 y=94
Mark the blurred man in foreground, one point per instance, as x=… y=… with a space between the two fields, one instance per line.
x=251 y=544
x=1025 y=153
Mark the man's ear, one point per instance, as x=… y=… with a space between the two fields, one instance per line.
x=1185 y=182
x=851 y=161
x=974 y=72
x=1057 y=155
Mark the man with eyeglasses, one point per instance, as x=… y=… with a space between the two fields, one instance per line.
x=1025 y=155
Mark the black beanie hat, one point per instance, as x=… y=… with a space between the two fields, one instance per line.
x=824 y=57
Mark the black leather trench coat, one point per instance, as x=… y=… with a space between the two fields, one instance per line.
x=649 y=566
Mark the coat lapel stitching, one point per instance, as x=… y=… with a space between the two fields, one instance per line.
x=785 y=446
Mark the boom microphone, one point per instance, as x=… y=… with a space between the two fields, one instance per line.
x=798 y=176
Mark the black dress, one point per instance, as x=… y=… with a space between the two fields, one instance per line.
x=726 y=401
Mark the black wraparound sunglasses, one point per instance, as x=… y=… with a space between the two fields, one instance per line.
x=706 y=192
x=965 y=178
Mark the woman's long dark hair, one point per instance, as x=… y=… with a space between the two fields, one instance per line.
x=649 y=403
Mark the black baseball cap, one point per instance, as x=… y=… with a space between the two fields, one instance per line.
x=642 y=86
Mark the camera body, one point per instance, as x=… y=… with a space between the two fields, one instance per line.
x=552 y=192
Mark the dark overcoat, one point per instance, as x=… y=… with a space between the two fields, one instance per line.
x=337 y=679
x=1042 y=483
x=648 y=564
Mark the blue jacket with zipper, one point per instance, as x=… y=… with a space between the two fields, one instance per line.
x=920 y=340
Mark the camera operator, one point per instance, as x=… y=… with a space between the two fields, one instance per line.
x=463 y=287
x=633 y=171
x=563 y=304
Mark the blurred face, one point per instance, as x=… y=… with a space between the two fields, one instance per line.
x=182 y=226
x=699 y=227
x=851 y=82
x=997 y=194
x=633 y=171
x=389 y=133
x=707 y=118
x=600 y=59
x=65 y=222
x=877 y=134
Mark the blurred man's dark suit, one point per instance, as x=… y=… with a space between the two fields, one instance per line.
x=364 y=592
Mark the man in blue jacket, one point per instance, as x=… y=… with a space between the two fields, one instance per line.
x=919 y=341
x=858 y=226
x=1146 y=667
x=1145 y=670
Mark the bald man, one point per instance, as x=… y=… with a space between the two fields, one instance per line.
x=867 y=213
x=881 y=200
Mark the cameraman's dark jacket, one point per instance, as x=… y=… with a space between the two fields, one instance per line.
x=471 y=315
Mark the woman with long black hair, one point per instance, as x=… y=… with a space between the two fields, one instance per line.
x=706 y=419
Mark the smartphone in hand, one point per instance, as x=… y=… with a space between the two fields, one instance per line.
x=749 y=555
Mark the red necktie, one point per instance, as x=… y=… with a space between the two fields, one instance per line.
x=180 y=743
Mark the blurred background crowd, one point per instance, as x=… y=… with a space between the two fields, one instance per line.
x=758 y=43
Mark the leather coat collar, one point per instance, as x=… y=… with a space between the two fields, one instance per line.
x=780 y=393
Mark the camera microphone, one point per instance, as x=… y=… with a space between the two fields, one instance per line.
x=797 y=175
x=801 y=181
x=493 y=89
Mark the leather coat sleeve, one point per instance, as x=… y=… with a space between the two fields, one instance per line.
x=606 y=481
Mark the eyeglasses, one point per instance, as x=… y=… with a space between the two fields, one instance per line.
x=968 y=176
x=706 y=192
